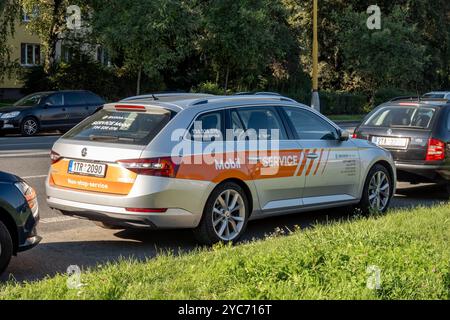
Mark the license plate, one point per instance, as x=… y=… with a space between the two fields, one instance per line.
x=87 y=168
x=391 y=142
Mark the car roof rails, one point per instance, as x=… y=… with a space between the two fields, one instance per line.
x=259 y=93
x=411 y=98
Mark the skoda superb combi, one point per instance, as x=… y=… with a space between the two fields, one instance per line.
x=212 y=164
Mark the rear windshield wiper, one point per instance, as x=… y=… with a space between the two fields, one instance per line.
x=94 y=137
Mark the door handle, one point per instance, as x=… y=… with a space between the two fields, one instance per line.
x=255 y=159
x=312 y=156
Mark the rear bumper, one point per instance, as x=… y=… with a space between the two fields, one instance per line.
x=117 y=216
x=423 y=172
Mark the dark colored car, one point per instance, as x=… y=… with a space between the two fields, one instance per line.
x=417 y=133
x=57 y=110
x=19 y=215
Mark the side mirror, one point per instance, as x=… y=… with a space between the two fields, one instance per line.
x=344 y=135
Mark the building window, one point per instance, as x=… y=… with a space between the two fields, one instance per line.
x=103 y=56
x=30 y=54
x=26 y=16
x=67 y=53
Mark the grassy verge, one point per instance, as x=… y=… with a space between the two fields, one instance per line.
x=410 y=249
x=346 y=117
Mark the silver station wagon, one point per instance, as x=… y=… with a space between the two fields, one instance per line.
x=211 y=164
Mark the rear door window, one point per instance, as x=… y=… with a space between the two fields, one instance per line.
x=136 y=128
x=73 y=99
x=93 y=99
x=55 y=99
x=262 y=121
x=402 y=116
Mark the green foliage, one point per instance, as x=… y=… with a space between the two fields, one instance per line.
x=342 y=103
x=9 y=11
x=209 y=87
x=410 y=248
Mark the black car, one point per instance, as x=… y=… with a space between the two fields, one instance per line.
x=19 y=215
x=57 y=110
x=417 y=133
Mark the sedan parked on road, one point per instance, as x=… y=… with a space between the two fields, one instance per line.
x=417 y=133
x=19 y=215
x=212 y=164
x=56 y=110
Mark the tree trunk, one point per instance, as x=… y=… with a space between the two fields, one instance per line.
x=138 y=86
x=226 y=79
x=50 y=56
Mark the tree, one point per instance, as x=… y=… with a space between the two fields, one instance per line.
x=241 y=36
x=149 y=36
x=48 y=21
x=9 y=11
x=390 y=57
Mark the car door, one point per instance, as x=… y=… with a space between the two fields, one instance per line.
x=52 y=112
x=76 y=108
x=273 y=159
x=332 y=167
x=93 y=103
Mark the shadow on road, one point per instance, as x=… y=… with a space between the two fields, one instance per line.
x=50 y=258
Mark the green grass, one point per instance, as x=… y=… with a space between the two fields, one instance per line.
x=346 y=117
x=410 y=248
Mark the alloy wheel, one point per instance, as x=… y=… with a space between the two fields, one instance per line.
x=379 y=191
x=30 y=127
x=228 y=215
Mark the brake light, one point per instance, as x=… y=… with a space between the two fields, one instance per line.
x=124 y=107
x=54 y=157
x=29 y=195
x=355 y=136
x=159 y=167
x=147 y=210
x=436 y=150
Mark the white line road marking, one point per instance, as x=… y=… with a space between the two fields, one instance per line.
x=23 y=154
x=35 y=177
x=56 y=219
x=26 y=144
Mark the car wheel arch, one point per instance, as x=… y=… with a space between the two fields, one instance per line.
x=244 y=187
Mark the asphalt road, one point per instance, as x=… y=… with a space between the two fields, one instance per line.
x=69 y=241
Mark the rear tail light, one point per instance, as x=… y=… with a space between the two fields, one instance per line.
x=54 y=157
x=436 y=150
x=355 y=136
x=159 y=167
x=29 y=194
x=146 y=210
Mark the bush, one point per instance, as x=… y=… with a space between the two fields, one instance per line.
x=209 y=87
x=342 y=103
x=385 y=94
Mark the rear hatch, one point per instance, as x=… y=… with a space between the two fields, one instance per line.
x=404 y=129
x=95 y=155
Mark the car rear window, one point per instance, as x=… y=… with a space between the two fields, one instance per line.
x=136 y=128
x=402 y=116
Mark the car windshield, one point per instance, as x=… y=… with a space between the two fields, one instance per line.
x=30 y=100
x=137 y=128
x=402 y=116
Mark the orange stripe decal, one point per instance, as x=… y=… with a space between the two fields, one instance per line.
x=305 y=153
x=320 y=160
x=311 y=164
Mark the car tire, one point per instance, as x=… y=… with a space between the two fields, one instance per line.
x=6 y=247
x=377 y=193
x=225 y=215
x=29 y=127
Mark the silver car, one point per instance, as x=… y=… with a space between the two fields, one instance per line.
x=212 y=163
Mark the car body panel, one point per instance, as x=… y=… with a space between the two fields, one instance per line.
x=411 y=161
x=17 y=215
x=280 y=179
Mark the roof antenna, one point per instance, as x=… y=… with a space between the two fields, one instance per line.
x=155 y=97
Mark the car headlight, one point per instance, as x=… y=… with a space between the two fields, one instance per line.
x=29 y=194
x=10 y=115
